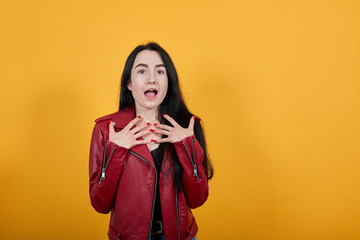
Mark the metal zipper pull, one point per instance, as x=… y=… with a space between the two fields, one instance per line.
x=196 y=174
x=102 y=176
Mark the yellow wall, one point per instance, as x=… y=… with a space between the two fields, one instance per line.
x=276 y=83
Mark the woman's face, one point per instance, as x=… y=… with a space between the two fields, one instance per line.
x=148 y=82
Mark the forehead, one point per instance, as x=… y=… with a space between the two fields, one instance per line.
x=150 y=58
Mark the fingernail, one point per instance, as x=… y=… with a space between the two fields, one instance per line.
x=164 y=114
x=153 y=140
x=152 y=130
x=155 y=124
x=139 y=116
x=109 y=122
x=193 y=117
x=148 y=124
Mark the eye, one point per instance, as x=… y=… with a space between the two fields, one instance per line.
x=141 y=71
x=160 y=71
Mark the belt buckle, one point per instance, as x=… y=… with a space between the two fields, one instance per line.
x=160 y=231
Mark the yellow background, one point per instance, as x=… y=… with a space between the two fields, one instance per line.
x=276 y=83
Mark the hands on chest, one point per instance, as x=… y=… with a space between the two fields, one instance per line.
x=151 y=134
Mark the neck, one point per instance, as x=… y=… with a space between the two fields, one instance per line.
x=148 y=115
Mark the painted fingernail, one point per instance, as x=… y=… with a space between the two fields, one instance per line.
x=152 y=130
x=194 y=117
x=148 y=124
x=164 y=114
x=139 y=116
x=155 y=124
x=153 y=140
x=109 y=122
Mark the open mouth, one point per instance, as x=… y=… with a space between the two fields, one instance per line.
x=151 y=92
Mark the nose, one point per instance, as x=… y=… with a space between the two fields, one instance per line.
x=152 y=77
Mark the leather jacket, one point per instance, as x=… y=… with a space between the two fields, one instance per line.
x=123 y=181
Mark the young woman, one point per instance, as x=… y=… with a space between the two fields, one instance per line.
x=148 y=161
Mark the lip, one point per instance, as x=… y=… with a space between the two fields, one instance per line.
x=151 y=89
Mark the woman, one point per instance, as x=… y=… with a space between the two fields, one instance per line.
x=148 y=161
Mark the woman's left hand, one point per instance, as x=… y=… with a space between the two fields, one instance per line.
x=176 y=132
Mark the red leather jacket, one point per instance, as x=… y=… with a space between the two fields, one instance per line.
x=123 y=181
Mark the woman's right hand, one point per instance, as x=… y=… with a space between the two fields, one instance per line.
x=128 y=136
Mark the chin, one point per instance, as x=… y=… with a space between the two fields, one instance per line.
x=149 y=106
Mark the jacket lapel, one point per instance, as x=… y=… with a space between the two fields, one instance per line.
x=143 y=151
x=121 y=119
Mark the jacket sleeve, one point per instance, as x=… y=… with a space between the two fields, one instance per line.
x=194 y=178
x=105 y=166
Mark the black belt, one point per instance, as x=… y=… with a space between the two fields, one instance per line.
x=157 y=228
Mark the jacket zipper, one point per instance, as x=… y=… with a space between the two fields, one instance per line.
x=177 y=212
x=156 y=179
x=103 y=169
x=193 y=162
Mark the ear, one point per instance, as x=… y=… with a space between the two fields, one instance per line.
x=129 y=85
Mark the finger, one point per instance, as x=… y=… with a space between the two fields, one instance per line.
x=161 y=131
x=144 y=125
x=111 y=128
x=139 y=142
x=133 y=122
x=139 y=128
x=141 y=134
x=171 y=120
x=162 y=140
x=192 y=123
x=163 y=126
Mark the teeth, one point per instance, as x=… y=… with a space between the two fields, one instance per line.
x=151 y=90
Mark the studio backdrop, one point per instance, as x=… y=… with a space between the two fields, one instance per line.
x=276 y=83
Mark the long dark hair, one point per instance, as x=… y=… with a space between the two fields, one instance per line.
x=173 y=104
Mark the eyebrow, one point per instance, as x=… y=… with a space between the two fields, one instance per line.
x=145 y=65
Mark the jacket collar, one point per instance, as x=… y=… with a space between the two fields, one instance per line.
x=123 y=117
